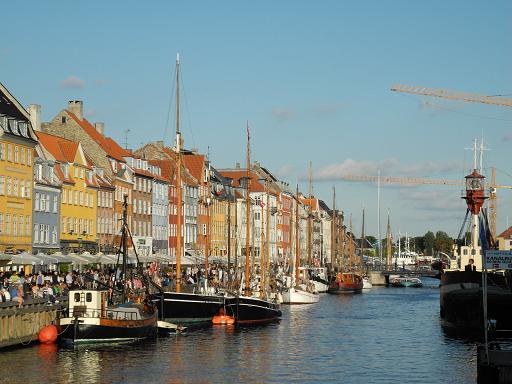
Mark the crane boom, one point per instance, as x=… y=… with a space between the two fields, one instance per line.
x=403 y=180
x=444 y=94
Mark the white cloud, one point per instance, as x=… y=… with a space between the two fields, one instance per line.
x=283 y=114
x=390 y=167
x=72 y=81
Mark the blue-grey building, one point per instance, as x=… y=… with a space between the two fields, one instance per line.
x=45 y=206
x=160 y=212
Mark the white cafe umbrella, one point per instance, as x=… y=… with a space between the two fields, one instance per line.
x=24 y=258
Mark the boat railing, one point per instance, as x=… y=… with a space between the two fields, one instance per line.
x=106 y=313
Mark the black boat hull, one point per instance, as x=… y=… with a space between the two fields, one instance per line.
x=461 y=300
x=81 y=333
x=251 y=310
x=187 y=307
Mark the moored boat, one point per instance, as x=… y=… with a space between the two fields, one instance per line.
x=402 y=281
x=252 y=310
x=346 y=282
x=91 y=320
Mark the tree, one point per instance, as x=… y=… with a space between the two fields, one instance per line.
x=428 y=242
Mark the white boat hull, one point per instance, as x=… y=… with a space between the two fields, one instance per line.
x=299 y=296
x=320 y=287
x=367 y=284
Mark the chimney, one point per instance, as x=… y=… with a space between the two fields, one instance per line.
x=237 y=166
x=34 y=111
x=100 y=128
x=76 y=107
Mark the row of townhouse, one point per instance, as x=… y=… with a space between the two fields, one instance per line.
x=62 y=185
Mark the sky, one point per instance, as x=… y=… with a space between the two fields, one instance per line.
x=312 y=79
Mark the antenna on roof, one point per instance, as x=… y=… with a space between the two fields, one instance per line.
x=126 y=131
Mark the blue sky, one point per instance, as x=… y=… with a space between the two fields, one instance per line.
x=312 y=79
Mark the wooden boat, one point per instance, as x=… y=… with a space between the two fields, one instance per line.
x=184 y=307
x=248 y=309
x=297 y=293
x=401 y=281
x=346 y=282
x=91 y=319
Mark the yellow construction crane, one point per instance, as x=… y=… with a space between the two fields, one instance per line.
x=470 y=98
x=403 y=180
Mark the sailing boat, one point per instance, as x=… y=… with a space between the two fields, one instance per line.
x=184 y=307
x=299 y=293
x=246 y=308
x=91 y=319
x=347 y=282
x=366 y=281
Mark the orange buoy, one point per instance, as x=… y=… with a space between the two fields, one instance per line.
x=223 y=319
x=48 y=334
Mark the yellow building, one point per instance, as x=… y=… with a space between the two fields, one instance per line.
x=78 y=204
x=17 y=141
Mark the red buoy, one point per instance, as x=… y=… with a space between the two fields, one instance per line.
x=48 y=334
x=223 y=319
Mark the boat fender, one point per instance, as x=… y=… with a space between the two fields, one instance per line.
x=48 y=334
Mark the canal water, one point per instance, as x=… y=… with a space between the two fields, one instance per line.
x=383 y=336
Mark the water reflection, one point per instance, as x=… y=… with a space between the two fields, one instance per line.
x=381 y=336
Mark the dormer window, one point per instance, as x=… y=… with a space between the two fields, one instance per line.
x=65 y=169
x=23 y=128
x=139 y=163
x=13 y=126
x=3 y=122
x=63 y=119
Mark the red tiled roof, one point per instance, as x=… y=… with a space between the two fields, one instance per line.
x=62 y=150
x=168 y=168
x=236 y=175
x=313 y=203
x=106 y=143
x=195 y=165
x=506 y=234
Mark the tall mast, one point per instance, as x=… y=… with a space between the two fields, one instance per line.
x=247 y=212
x=378 y=218
x=208 y=202
x=388 y=239
x=310 y=211
x=179 y=191
x=362 y=238
x=297 y=242
x=333 y=228
x=265 y=264
x=351 y=249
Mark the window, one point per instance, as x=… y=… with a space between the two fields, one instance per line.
x=64 y=196
x=15 y=186
x=256 y=215
x=9 y=152
x=134 y=205
x=27 y=224
x=76 y=172
x=63 y=119
x=42 y=204
x=54 y=235
x=2 y=151
x=20 y=223
x=76 y=197
x=91 y=200
x=70 y=197
x=37 y=202
x=81 y=173
x=29 y=157
x=22 y=188
x=2 y=185
x=204 y=230
x=1 y=222
x=28 y=192
x=55 y=203
x=14 y=225
x=41 y=233
x=63 y=225
x=74 y=225
x=16 y=154
x=81 y=197
x=36 y=233
x=7 y=224
x=22 y=158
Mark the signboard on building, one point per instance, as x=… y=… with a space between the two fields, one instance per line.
x=143 y=245
x=498 y=259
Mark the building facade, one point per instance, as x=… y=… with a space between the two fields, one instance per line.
x=17 y=142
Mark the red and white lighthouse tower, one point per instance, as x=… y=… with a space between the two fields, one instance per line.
x=475 y=197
